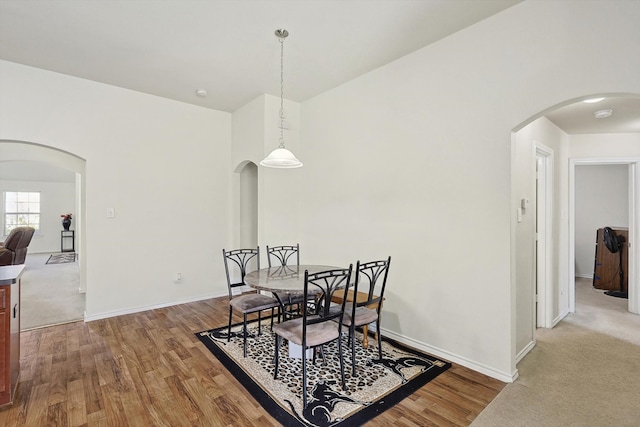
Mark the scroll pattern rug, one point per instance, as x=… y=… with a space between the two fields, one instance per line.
x=377 y=386
x=62 y=258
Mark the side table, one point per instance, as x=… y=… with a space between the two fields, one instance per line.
x=67 y=241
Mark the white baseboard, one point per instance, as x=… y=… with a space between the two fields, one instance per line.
x=486 y=370
x=559 y=317
x=108 y=314
x=525 y=351
x=585 y=276
x=483 y=369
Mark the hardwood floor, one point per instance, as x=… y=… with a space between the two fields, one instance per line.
x=149 y=369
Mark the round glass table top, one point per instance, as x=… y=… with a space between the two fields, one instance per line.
x=288 y=279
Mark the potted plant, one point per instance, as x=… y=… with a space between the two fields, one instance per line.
x=66 y=221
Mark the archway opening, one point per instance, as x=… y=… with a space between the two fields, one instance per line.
x=58 y=177
x=558 y=128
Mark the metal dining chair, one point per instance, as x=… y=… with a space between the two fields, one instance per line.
x=366 y=305
x=314 y=329
x=249 y=302
x=286 y=255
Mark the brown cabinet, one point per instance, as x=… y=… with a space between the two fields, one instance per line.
x=9 y=332
x=606 y=271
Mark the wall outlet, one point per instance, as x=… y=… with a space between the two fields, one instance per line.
x=178 y=277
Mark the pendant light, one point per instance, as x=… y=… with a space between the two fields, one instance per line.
x=281 y=157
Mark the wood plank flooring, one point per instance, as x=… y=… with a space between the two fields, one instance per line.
x=149 y=369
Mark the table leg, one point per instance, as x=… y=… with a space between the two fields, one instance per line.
x=365 y=331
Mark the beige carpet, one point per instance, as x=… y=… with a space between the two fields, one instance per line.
x=583 y=372
x=50 y=293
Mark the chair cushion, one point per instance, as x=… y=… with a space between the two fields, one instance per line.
x=253 y=302
x=318 y=333
x=364 y=315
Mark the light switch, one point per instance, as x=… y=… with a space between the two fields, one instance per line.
x=111 y=213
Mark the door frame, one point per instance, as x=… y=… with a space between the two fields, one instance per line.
x=633 y=164
x=544 y=227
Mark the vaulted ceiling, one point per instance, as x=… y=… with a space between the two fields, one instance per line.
x=172 y=48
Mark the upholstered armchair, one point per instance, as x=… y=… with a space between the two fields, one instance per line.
x=13 y=250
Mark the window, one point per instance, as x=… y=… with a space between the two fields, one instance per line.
x=21 y=208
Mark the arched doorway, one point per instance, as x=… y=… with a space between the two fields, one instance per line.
x=248 y=215
x=559 y=292
x=36 y=162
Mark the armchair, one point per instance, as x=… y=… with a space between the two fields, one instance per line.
x=13 y=250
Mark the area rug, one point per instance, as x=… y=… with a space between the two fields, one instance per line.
x=377 y=386
x=62 y=258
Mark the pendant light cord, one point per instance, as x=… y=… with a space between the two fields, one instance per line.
x=282 y=91
x=281 y=158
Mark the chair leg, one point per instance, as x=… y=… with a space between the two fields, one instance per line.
x=245 y=333
x=379 y=338
x=344 y=384
x=304 y=378
x=276 y=358
x=229 y=329
x=272 y=317
x=352 y=337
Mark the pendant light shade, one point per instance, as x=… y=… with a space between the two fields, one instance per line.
x=281 y=157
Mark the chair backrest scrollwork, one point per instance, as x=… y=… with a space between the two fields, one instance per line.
x=241 y=260
x=368 y=276
x=284 y=255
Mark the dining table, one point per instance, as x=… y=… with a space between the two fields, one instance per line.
x=284 y=280
x=287 y=279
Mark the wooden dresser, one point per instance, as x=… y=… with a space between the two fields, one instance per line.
x=9 y=331
x=606 y=270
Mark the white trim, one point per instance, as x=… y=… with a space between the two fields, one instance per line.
x=460 y=360
x=525 y=351
x=634 y=226
x=109 y=314
x=547 y=297
x=559 y=317
x=438 y=352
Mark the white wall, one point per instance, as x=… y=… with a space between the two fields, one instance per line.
x=256 y=133
x=601 y=200
x=604 y=145
x=544 y=133
x=164 y=167
x=56 y=198
x=412 y=160
x=280 y=212
x=416 y=164
x=612 y=149
x=248 y=207
x=611 y=181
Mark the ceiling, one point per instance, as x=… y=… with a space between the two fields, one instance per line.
x=171 y=48
x=579 y=118
x=29 y=170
